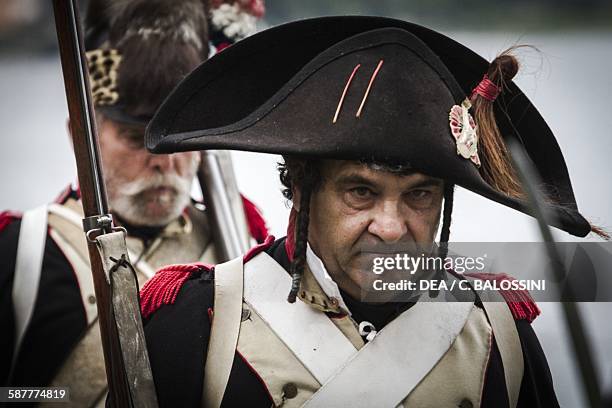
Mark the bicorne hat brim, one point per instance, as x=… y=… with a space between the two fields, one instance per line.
x=356 y=88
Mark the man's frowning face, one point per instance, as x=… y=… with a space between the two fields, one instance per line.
x=143 y=189
x=358 y=213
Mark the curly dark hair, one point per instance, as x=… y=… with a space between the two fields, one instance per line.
x=292 y=172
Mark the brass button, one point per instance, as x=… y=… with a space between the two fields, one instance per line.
x=91 y=299
x=289 y=390
x=466 y=403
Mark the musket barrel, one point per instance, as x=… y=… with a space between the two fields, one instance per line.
x=80 y=107
x=529 y=178
x=230 y=240
x=91 y=182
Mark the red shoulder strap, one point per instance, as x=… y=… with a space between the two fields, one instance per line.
x=164 y=286
x=520 y=302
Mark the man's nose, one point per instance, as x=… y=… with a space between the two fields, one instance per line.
x=388 y=223
x=161 y=162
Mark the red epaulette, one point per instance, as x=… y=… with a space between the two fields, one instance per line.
x=6 y=217
x=164 y=286
x=255 y=220
x=520 y=302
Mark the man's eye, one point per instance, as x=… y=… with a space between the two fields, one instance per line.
x=135 y=140
x=359 y=197
x=419 y=194
x=362 y=192
x=420 y=198
x=137 y=144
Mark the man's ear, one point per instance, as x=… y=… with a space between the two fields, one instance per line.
x=296 y=197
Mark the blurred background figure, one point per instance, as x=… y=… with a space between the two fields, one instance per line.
x=18 y=13
x=137 y=50
x=18 y=17
x=568 y=80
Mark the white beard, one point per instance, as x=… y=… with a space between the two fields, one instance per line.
x=129 y=201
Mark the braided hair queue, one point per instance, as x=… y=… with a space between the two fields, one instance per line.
x=301 y=232
x=449 y=192
x=303 y=174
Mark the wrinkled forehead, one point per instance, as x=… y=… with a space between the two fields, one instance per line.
x=352 y=171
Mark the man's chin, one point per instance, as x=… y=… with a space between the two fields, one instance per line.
x=158 y=198
x=149 y=213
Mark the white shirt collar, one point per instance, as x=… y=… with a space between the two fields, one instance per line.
x=323 y=278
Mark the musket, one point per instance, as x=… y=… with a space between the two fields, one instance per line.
x=224 y=204
x=127 y=366
x=529 y=178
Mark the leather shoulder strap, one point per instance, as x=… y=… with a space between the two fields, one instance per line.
x=28 y=265
x=266 y=285
x=229 y=283
x=424 y=333
x=507 y=340
x=509 y=345
x=126 y=312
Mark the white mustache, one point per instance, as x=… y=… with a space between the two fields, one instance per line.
x=180 y=184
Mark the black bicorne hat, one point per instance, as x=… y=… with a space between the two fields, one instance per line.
x=357 y=88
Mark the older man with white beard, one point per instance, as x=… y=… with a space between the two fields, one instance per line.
x=145 y=190
x=137 y=51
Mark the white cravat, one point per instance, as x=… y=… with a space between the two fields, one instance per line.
x=323 y=278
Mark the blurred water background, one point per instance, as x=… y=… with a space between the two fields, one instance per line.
x=569 y=81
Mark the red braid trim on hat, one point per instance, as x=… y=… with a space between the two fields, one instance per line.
x=520 y=302
x=163 y=288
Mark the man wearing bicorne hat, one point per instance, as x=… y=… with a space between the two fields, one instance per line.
x=377 y=121
x=137 y=51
